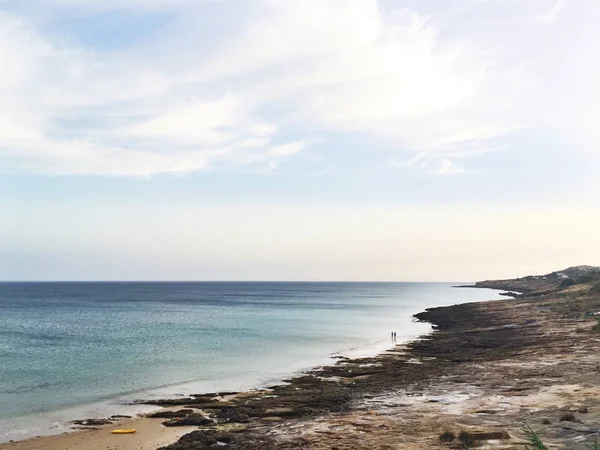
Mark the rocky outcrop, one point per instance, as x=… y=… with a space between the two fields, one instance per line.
x=189 y=420
x=92 y=422
x=171 y=414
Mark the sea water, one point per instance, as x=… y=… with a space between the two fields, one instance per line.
x=78 y=350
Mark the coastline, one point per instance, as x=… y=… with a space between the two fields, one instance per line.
x=344 y=316
x=75 y=435
x=488 y=368
x=136 y=414
x=98 y=435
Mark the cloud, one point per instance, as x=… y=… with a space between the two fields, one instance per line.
x=551 y=15
x=246 y=86
x=121 y=4
x=433 y=165
x=447 y=167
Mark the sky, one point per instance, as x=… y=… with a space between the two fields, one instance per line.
x=350 y=140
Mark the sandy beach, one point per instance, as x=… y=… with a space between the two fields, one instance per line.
x=488 y=370
x=150 y=435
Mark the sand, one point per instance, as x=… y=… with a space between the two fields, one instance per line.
x=150 y=435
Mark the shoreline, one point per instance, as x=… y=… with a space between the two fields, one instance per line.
x=134 y=417
x=487 y=368
x=158 y=435
x=71 y=434
x=388 y=307
x=136 y=405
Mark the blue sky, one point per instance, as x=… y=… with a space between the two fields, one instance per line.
x=277 y=139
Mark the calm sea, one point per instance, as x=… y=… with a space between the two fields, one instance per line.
x=76 y=350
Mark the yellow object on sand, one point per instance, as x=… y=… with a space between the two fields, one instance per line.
x=133 y=430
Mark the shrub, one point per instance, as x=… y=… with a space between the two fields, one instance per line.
x=567 y=417
x=447 y=436
x=466 y=439
x=585 y=279
x=595 y=289
x=567 y=282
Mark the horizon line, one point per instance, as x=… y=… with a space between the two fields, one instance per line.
x=226 y=281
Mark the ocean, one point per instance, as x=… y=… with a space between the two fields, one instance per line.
x=78 y=350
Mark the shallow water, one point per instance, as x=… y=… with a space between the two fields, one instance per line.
x=73 y=350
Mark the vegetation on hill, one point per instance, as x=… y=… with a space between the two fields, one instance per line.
x=539 y=284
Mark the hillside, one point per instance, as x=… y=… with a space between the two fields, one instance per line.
x=537 y=284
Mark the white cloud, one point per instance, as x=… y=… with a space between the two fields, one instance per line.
x=551 y=15
x=69 y=111
x=195 y=122
x=447 y=167
x=249 y=89
x=434 y=165
x=120 y=4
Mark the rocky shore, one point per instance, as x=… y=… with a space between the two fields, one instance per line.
x=486 y=371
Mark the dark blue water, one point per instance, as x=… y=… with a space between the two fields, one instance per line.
x=86 y=348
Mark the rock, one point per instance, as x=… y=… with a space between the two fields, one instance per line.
x=206 y=439
x=170 y=414
x=580 y=428
x=489 y=435
x=92 y=422
x=196 y=440
x=232 y=414
x=583 y=409
x=210 y=405
x=190 y=420
x=287 y=412
x=279 y=386
x=487 y=411
x=172 y=401
x=206 y=395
